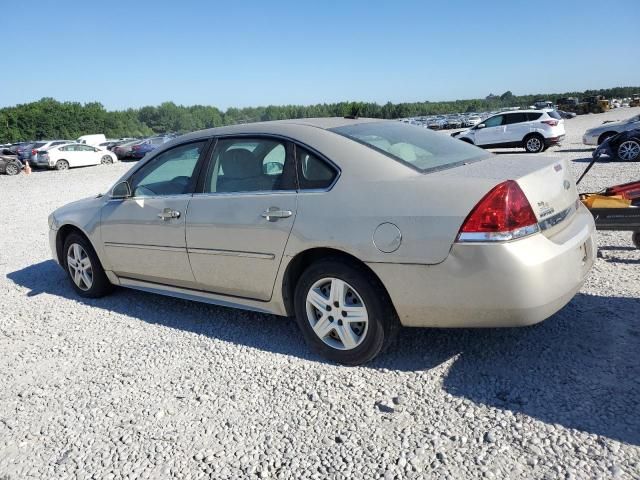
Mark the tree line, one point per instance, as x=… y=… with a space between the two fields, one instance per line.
x=49 y=118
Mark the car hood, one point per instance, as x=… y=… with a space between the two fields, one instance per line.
x=608 y=126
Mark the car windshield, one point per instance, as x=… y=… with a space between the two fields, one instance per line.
x=414 y=146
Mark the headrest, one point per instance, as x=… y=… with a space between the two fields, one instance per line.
x=240 y=163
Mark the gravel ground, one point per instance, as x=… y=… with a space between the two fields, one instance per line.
x=141 y=386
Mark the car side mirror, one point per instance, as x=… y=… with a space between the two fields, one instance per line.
x=120 y=191
x=480 y=125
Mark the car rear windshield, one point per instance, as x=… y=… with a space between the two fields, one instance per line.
x=554 y=114
x=416 y=147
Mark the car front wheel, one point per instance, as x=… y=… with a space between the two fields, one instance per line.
x=84 y=268
x=629 y=150
x=344 y=312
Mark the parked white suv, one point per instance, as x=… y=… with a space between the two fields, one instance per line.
x=533 y=130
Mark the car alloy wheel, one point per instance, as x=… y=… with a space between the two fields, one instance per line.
x=62 y=165
x=337 y=314
x=12 y=169
x=106 y=160
x=629 y=150
x=534 y=144
x=79 y=265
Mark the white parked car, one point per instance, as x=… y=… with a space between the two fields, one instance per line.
x=533 y=130
x=95 y=139
x=63 y=157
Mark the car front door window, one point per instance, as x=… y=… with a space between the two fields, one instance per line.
x=170 y=173
x=493 y=121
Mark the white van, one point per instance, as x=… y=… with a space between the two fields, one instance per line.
x=93 y=140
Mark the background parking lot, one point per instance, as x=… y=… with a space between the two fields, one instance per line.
x=142 y=386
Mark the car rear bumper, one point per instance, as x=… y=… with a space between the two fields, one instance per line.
x=495 y=285
x=553 y=140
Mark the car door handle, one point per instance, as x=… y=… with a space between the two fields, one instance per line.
x=168 y=214
x=272 y=214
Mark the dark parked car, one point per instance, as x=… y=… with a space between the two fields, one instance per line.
x=566 y=115
x=9 y=163
x=24 y=151
x=123 y=151
x=624 y=146
x=141 y=149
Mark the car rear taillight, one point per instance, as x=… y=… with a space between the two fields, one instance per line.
x=503 y=214
x=33 y=151
x=551 y=123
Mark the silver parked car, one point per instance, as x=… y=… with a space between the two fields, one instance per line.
x=597 y=135
x=354 y=226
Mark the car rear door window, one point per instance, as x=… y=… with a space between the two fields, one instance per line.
x=531 y=116
x=512 y=118
x=170 y=173
x=313 y=173
x=250 y=165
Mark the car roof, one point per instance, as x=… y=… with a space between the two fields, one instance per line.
x=277 y=126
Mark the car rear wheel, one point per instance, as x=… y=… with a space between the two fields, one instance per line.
x=106 y=160
x=344 y=312
x=12 y=169
x=534 y=143
x=84 y=268
x=629 y=150
x=62 y=165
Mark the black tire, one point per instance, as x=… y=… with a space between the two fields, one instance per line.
x=635 y=238
x=62 y=165
x=604 y=136
x=100 y=285
x=12 y=169
x=533 y=143
x=382 y=325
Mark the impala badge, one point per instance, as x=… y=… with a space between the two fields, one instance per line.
x=566 y=184
x=545 y=209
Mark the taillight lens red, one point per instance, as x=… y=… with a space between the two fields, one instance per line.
x=503 y=214
x=33 y=151
x=551 y=123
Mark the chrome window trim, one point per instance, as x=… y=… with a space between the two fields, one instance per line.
x=175 y=196
x=245 y=193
